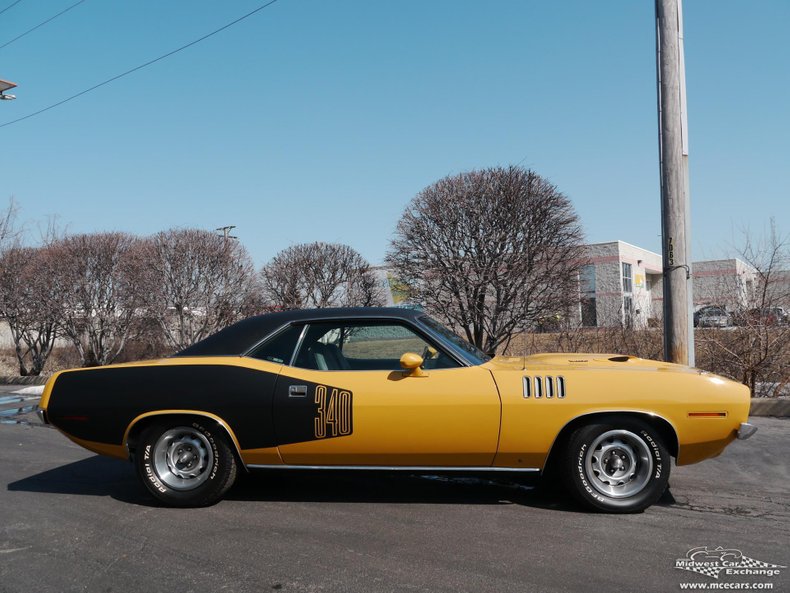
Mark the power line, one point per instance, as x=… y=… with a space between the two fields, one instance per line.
x=10 y=6
x=52 y=18
x=141 y=66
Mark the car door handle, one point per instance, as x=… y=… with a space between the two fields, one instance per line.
x=297 y=391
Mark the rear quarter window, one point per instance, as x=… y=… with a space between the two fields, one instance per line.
x=280 y=347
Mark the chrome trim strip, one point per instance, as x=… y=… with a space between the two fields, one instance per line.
x=410 y=468
x=298 y=344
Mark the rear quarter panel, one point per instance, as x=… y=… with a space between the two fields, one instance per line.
x=96 y=407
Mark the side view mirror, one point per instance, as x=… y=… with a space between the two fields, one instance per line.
x=411 y=363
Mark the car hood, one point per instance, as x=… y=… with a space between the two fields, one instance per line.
x=580 y=361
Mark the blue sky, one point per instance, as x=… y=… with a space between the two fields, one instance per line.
x=317 y=120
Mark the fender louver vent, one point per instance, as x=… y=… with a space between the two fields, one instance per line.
x=539 y=387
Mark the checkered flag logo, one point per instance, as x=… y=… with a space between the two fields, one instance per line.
x=747 y=562
x=711 y=563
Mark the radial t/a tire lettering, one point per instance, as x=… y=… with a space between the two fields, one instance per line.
x=185 y=462
x=616 y=465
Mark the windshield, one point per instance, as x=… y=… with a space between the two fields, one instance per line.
x=471 y=353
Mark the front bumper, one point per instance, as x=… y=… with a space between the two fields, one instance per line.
x=746 y=430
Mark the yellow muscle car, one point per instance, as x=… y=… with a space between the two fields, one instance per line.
x=390 y=388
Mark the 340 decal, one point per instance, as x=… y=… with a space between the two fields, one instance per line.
x=333 y=414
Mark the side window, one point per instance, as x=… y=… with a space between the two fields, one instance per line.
x=279 y=348
x=365 y=347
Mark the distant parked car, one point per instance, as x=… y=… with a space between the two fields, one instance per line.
x=712 y=316
x=767 y=316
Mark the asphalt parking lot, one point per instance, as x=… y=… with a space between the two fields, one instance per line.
x=73 y=521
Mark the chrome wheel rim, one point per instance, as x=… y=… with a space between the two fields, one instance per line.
x=183 y=458
x=619 y=464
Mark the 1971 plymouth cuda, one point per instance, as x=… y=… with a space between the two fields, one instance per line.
x=393 y=389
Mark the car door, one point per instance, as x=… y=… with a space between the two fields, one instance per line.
x=345 y=400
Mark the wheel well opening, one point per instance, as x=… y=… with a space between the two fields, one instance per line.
x=141 y=425
x=664 y=429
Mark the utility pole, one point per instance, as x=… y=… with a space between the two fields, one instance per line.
x=225 y=230
x=6 y=86
x=673 y=153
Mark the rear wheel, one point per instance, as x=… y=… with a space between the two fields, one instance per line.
x=616 y=466
x=185 y=463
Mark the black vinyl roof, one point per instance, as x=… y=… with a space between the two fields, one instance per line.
x=238 y=338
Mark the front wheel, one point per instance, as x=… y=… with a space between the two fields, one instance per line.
x=185 y=463
x=617 y=466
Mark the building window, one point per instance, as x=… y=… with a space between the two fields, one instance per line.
x=628 y=310
x=587 y=279
x=627 y=279
x=587 y=296
x=589 y=313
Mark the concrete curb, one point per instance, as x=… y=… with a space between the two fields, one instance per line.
x=765 y=406
x=6 y=380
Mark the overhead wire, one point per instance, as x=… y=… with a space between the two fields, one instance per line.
x=141 y=66
x=10 y=6
x=52 y=18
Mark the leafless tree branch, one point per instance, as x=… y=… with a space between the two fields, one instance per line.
x=29 y=304
x=97 y=281
x=196 y=282
x=756 y=351
x=319 y=275
x=490 y=252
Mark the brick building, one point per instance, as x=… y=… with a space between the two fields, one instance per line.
x=623 y=285
x=620 y=284
x=730 y=283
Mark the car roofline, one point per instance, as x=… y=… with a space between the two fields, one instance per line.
x=240 y=338
x=370 y=314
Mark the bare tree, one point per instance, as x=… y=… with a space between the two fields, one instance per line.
x=490 y=252
x=320 y=275
x=29 y=304
x=197 y=282
x=9 y=231
x=98 y=279
x=757 y=351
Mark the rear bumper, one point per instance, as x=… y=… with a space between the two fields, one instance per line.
x=746 y=430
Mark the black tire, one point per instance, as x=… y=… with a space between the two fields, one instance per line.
x=616 y=465
x=185 y=462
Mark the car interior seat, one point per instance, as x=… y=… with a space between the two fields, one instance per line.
x=327 y=357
